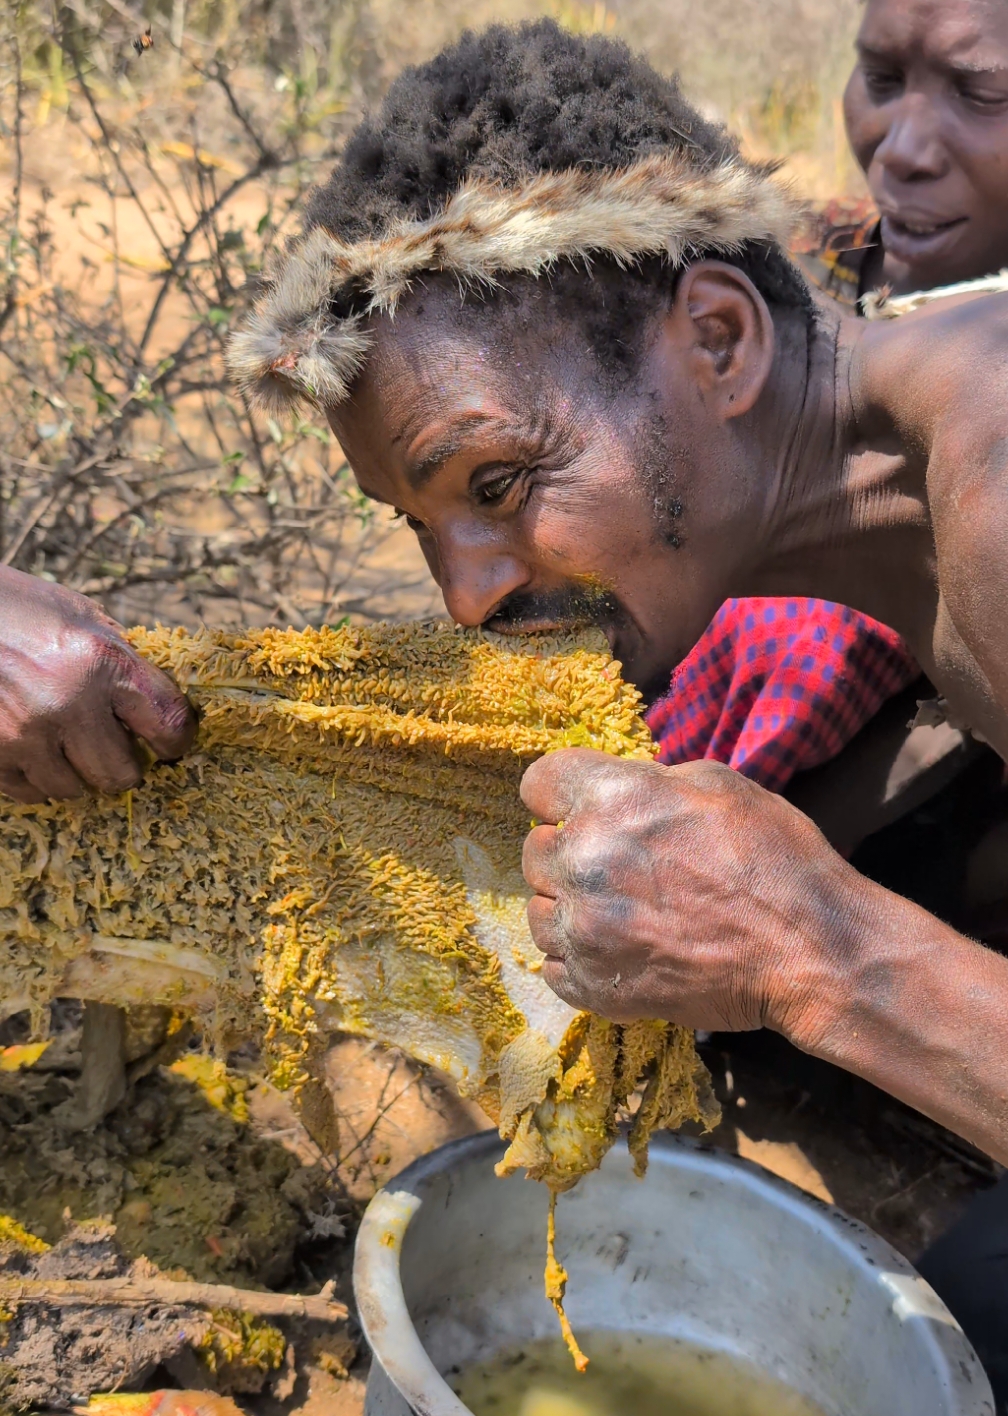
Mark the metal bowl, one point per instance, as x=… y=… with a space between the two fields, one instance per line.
x=706 y=1248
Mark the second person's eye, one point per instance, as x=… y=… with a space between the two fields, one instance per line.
x=883 y=84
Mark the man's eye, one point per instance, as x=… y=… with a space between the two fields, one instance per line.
x=497 y=487
x=411 y=521
x=883 y=84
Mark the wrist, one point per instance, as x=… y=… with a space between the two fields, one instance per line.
x=873 y=978
x=844 y=968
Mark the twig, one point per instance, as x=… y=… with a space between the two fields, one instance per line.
x=166 y=1293
x=266 y=154
x=10 y=301
x=30 y=522
x=112 y=147
x=178 y=260
x=44 y=503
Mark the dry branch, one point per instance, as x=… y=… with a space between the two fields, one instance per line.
x=166 y=1293
x=128 y=464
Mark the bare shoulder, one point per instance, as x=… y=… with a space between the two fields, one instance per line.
x=942 y=371
x=965 y=363
x=962 y=371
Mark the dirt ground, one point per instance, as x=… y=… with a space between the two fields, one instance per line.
x=216 y=1179
x=832 y=1135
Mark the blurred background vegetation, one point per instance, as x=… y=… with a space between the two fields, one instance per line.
x=152 y=153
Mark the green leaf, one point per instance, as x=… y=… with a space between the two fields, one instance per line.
x=241 y=483
x=232 y=457
x=217 y=316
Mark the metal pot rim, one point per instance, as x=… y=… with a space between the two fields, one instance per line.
x=388 y=1327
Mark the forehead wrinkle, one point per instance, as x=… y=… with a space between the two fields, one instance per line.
x=943 y=37
x=954 y=67
x=972 y=53
x=425 y=456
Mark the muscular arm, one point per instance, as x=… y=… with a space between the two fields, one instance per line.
x=692 y=894
x=923 y=1014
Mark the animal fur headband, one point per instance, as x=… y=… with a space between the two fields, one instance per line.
x=292 y=346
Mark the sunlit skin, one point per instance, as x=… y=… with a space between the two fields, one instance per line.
x=864 y=463
x=927 y=117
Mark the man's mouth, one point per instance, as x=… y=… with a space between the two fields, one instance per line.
x=912 y=238
x=558 y=611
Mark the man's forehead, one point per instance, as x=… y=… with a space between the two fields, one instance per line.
x=965 y=35
x=420 y=402
x=420 y=353
x=440 y=389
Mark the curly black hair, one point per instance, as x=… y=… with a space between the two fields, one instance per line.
x=509 y=102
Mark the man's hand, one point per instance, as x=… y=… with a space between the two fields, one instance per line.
x=687 y=893
x=74 y=697
x=691 y=894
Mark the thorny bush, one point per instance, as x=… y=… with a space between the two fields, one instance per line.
x=129 y=467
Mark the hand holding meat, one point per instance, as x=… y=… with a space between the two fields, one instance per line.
x=686 y=893
x=74 y=697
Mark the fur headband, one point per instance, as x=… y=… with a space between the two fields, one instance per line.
x=292 y=346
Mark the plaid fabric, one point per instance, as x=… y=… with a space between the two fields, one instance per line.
x=775 y=686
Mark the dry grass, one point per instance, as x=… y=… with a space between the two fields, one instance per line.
x=142 y=191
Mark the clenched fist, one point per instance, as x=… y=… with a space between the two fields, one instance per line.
x=74 y=697
x=685 y=893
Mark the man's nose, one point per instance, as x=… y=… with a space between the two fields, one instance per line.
x=912 y=149
x=475 y=576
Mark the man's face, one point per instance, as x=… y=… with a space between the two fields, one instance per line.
x=927 y=117
x=541 y=499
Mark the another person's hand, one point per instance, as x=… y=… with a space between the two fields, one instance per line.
x=74 y=697
x=686 y=893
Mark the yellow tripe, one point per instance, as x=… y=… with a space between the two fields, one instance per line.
x=342 y=850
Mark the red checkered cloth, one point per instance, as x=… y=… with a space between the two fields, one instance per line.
x=777 y=686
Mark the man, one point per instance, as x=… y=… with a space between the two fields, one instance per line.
x=631 y=447
x=926 y=110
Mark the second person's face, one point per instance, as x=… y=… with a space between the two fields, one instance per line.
x=927 y=116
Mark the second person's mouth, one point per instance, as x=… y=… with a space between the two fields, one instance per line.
x=913 y=237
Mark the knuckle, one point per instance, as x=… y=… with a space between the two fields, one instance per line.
x=122 y=780
x=589 y=856
x=80 y=658
x=121 y=661
x=558 y=979
x=179 y=721
x=712 y=778
x=534 y=779
x=590 y=879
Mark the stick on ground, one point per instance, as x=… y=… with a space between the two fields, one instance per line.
x=142 y=1292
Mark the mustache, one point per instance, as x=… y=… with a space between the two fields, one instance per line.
x=570 y=606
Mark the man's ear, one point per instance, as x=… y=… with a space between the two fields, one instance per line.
x=722 y=325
